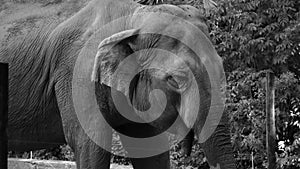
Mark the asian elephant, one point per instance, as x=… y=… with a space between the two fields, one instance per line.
x=57 y=73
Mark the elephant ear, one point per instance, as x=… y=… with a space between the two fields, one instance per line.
x=111 y=65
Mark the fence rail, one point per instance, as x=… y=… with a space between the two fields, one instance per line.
x=14 y=163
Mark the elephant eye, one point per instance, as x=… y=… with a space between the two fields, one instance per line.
x=171 y=81
x=176 y=82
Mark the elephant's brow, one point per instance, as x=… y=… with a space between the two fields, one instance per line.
x=183 y=72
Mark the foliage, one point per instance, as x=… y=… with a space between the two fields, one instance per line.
x=252 y=36
x=288 y=120
x=259 y=34
x=195 y=160
x=245 y=104
x=63 y=152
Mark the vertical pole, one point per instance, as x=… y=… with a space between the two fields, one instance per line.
x=270 y=118
x=252 y=160
x=3 y=114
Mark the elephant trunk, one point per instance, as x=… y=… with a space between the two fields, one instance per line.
x=187 y=143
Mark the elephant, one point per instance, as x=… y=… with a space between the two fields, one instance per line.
x=59 y=73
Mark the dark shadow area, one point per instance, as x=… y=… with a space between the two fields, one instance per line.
x=3 y=114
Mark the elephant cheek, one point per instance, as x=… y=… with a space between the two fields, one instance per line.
x=189 y=106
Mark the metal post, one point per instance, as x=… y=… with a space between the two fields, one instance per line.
x=270 y=118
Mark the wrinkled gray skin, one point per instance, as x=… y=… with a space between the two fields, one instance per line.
x=41 y=108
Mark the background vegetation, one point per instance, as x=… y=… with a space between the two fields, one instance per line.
x=252 y=37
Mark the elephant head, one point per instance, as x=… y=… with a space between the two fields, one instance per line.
x=169 y=50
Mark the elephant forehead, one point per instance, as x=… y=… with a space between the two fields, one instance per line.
x=183 y=11
x=158 y=18
x=170 y=63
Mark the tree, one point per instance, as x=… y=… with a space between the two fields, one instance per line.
x=259 y=36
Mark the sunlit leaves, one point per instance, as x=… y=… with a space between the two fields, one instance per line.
x=260 y=31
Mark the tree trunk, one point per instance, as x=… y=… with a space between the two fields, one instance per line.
x=270 y=118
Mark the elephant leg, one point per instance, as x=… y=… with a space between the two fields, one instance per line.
x=89 y=155
x=140 y=148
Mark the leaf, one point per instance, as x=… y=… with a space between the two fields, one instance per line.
x=209 y=5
